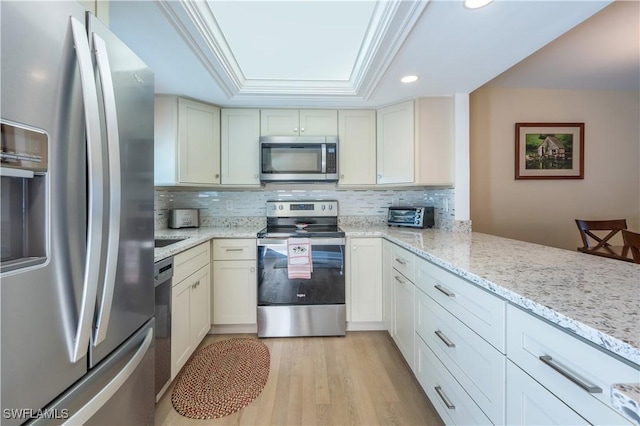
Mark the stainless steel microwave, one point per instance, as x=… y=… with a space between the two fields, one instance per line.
x=414 y=217
x=298 y=158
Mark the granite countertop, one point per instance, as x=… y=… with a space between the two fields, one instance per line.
x=593 y=297
x=195 y=236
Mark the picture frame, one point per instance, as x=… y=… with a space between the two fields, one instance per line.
x=549 y=151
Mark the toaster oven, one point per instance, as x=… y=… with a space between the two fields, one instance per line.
x=414 y=217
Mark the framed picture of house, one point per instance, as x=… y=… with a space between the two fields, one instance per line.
x=549 y=151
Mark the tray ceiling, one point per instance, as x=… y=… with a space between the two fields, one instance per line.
x=316 y=53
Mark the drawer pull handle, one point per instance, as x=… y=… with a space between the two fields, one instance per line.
x=400 y=261
x=445 y=339
x=196 y=284
x=445 y=291
x=401 y=281
x=444 y=398
x=589 y=387
x=234 y=249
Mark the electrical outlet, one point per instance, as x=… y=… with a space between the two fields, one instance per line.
x=229 y=205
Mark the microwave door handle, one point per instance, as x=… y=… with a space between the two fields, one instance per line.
x=95 y=192
x=113 y=144
x=324 y=157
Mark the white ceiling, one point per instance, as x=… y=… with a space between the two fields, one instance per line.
x=317 y=53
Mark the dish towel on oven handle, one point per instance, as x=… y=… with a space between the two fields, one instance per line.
x=299 y=260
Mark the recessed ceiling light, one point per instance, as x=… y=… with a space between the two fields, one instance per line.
x=476 y=4
x=409 y=78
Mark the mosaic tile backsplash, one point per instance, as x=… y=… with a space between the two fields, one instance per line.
x=355 y=207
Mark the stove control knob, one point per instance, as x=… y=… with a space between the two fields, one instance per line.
x=280 y=207
x=330 y=206
x=324 y=207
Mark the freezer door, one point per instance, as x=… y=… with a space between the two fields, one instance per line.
x=40 y=304
x=125 y=87
x=118 y=392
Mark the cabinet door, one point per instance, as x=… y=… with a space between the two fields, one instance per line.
x=181 y=347
x=434 y=147
x=395 y=128
x=200 y=305
x=234 y=292
x=403 y=333
x=529 y=403
x=279 y=122
x=318 y=122
x=387 y=286
x=365 y=276
x=357 y=139
x=240 y=149
x=199 y=142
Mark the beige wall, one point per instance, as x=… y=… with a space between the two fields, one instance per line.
x=543 y=211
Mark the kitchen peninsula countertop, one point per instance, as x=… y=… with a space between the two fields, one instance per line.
x=593 y=297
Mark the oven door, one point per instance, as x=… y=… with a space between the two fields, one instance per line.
x=325 y=287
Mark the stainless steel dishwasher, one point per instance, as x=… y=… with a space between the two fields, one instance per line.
x=163 y=272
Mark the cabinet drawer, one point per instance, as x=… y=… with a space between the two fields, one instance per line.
x=529 y=403
x=189 y=261
x=482 y=312
x=474 y=363
x=404 y=262
x=234 y=249
x=449 y=399
x=583 y=366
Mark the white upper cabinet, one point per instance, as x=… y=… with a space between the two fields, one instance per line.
x=357 y=147
x=415 y=142
x=395 y=160
x=294 y=122
x=187 y=142
x=434 y=136
x=240 y=148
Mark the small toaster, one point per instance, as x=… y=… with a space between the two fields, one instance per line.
x=184 y=218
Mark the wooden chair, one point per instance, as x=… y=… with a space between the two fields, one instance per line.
x=597 y=243
x=632 y=240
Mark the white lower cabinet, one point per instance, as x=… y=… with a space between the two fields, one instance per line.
x=403 y=291
x=476 y=365
x=458 y=323
x=529 y=403
x=364 y=280
x=189 y=304
x=234 y=295
x=388 y=307
x=577 y=373
x=449 y=398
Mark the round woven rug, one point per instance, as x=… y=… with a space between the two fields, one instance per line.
x=221 y=378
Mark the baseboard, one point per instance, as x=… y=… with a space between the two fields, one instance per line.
x=234 y=329
x=366 y=326
x=253 y=328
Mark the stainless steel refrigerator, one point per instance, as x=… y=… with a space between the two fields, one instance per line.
x=76 y=274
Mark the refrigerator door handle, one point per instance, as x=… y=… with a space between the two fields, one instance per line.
x=87 y=411
x=113 y=143
x=95 y=192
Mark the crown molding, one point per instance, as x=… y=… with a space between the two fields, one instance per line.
x=390 y=24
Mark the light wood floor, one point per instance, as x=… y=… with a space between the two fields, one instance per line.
x=360 y=379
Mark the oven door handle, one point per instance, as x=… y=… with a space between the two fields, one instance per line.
x=282 y=242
